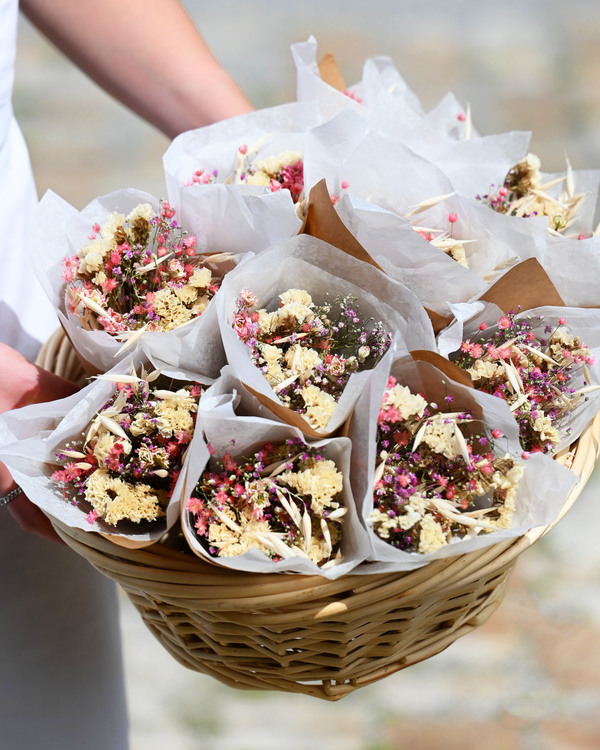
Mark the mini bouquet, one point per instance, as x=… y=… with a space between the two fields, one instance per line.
x=260 y=152
x=525 y=192
x=429 y=475
x=371 y=164
x=124 y=274
x=442 y=473
x=267 y=500
x=484 y=243
x=393 y=124
x=539 y=366
x=128 y=463
x=109 y=458
x=307 y=352
x=138 y=272
x=284 y=500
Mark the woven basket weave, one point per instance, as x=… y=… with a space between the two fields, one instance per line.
x=305 y=634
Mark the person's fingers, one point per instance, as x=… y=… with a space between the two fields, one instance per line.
x=25 y=383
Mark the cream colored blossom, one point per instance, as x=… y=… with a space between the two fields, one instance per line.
x=319 y=406
x=113 y=222
x=171 y=312
x=438 y=434
x=296 y=295
x=175 y=415
x=302 y=361
x=291 y=314
x=319 y=480
x=91 y=257
x=407 y=403
x=157 y=459
x=271 y=355
x=105 y=443
x=412 y=512
x=432 y=535
x=457 y=252
x=201 y=278
x=233 y=543
x=382 y=522
x=199 y=306
x=547 y=433
x=187 y=294
x=563 y=337
x=141 y=211
x=508 y=483
x=483 y=369
x=266 y=321
x=99 y=278
x=115 y=500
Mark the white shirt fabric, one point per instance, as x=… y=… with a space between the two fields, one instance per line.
x=26 y=316
x=61 y=676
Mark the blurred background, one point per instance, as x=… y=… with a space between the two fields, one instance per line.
x=530 y=678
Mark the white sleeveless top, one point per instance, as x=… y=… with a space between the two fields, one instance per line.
x=26 y=318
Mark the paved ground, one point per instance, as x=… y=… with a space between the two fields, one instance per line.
x=530 y=678
x=527 y=680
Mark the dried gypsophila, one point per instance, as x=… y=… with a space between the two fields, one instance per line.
x=533 y=374
x=127 y=463
x=306 y=351
x=285 y=501
x=432 y=484
x=138 y=272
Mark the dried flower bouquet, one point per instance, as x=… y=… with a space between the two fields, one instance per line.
x=109 y=458
x=128 y=462
x=437 y=468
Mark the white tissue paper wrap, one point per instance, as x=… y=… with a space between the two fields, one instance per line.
x=31 y=436
x=584 y=323
x=436 y=278
x=270 y=131
x=60 y=230
x=378 y=74
x=573 y=266
x=234 y=218
x=541 y=493
x=375 y=166
x=310 y=264
x=218 y=423
x=380 y=91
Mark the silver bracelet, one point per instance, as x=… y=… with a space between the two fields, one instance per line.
x=6 y=499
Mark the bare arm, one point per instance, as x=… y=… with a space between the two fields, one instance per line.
x=148 y=54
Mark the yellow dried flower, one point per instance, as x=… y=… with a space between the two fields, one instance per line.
x=115 y=500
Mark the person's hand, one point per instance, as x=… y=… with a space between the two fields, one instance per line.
x=25 y=383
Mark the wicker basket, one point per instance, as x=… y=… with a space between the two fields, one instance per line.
x=306 y=634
